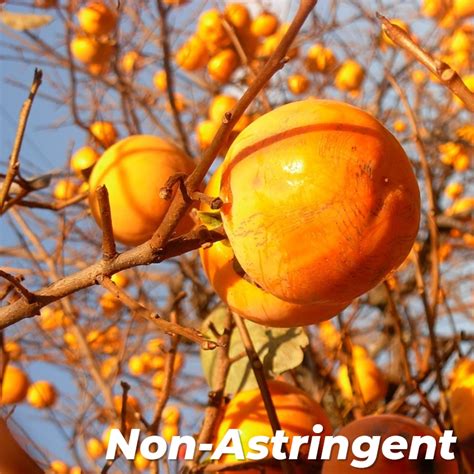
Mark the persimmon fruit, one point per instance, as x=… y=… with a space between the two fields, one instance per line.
x=320 y=202
x=134 y=170
x=14 y=385
x=97 y=19
x=296 y=411
x=385 y=426
x=41 y=394
x=244 y=297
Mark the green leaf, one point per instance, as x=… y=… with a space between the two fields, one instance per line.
x=279 y=349
x=24 y=21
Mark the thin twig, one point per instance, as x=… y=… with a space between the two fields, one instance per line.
x=14 y=163
x=15 y=281
x=257 y=368
x=109 y=250
x=447 y=76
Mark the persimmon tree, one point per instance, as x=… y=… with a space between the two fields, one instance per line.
x=103 y=329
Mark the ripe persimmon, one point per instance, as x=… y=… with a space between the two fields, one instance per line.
x=97 y=19
x=244 y=297
x=134 y=170
x=14 y=385
x=320 y=202
x=385 y=426
x=296 y=411
x=41 y=394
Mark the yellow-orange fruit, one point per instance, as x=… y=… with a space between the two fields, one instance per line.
x=159 y=81
x=104 y=132
x=368 y=376
x=168 y=431
x=13 y=349
x=462 y=8
x=264 y=24
x=464 y=368
x=95 y=449
x=211 y=29
x=89 y=50
x=237 y=15
x=385 y=426
x=332 y=173
x=14 y=386
x=205 y=132
x=96 y=18
x=131 y=62
x=399 y=126
x=349 y=76
x=192 y=54
x=247 y=299
x=65 y=189
x=155 y=346
x=109 y=303
x=319 y=59
x=136 y=366
x=59 y=467
x=134 y=170
x=296 y=411
x=453 y=190
x=83 y=159
x=221 y=66
x=298 y=84
x=140 y=462
x=171 y=415
x=41 y=394
x=221 y=104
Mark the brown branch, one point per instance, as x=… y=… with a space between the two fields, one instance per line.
x=257 y=368
x=14 y=163
x=167 y=327
x=216 y=396
x=165 y=46
x=15 y=281
x=447 y=76
x=141 y=255
x=276 y=61
x=108 y=242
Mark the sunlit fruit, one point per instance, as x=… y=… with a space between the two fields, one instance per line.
x=95 y=449
x=264 y=24
x=171 y=415
x=159 y=81
x=109 y=303
x=211 y=29
x=59 y=467
x=205 y=132
x=104 y=132
x=120 y=279
x=319 y=59
x=246 y=298
x=369 y=379
x=192 y=54
x=88 y=50
x=296 y=411
x=84 y=159
x=221 y=66
x=220 y=104
x=131 y=62
x=168 y=431
x=51 y=319
x=385 y=426
x=349 y=76
x=155 y=346
x=136 y=366
x=297 y=83
x=453 y=190
x=462 y=370
x=14 y=385
x=237 y=15
x=330 y=336
x=65 y=189
x=41 y=394
x=331 y=172
x=140 y=462
x=399 y=126
x=134 y=170
x=96 y=18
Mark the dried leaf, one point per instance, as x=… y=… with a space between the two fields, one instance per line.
x=24 y=21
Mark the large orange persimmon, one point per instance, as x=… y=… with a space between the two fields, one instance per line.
x=134 y=170
x=320 y=202
x=296 y=411
x=385 y=426
x=247 y=299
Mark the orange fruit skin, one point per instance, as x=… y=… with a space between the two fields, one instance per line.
x=96 y=18
x=41 y=394
x=264 y=24
x=14 y=386
x=247 y=299
x=88 y=50
x=385 y=426
x=221 y=66
x=296 y=411
x=320 y=202
x=134 y=170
